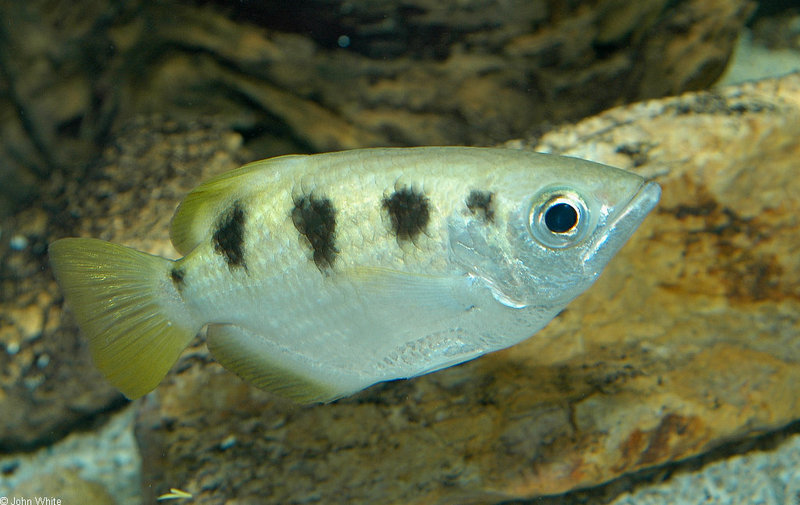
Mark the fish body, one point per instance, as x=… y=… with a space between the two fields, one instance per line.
x=319 y=275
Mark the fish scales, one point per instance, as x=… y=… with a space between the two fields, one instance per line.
x=321 y=275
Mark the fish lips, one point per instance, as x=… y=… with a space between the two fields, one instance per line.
x=616 y=232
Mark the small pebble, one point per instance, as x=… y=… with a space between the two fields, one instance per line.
x=43 y=360
x=12 y=348
x=229 y=442
x=9 y=467
x=33 y=382
x=18 y=242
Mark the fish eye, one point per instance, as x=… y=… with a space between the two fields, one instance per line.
x=559 y=218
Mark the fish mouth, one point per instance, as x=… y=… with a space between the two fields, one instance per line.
x=622 y=225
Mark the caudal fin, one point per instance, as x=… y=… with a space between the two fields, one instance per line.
x=127 y=306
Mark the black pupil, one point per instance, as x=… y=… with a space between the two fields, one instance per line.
x=560 y=218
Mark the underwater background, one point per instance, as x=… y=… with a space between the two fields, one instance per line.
x=673 y=380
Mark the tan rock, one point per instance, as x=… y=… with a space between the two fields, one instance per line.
x=691 y=337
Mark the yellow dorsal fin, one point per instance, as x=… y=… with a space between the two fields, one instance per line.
x=197 y=212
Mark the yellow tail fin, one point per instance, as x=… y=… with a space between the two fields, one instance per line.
x=127 y=306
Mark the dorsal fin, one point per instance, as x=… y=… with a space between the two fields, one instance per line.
x=202 y=206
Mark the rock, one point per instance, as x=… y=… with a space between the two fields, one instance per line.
x=49 y=61
x=769 y=476
x=333 y=74
x=102 y=453
x=779 y=29
x=500 y=68
x=65 y=485
x=48 y=384
x=690 y=338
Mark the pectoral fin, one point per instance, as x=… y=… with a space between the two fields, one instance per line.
x=426 y=297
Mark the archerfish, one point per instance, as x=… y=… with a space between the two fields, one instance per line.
x=320 y=275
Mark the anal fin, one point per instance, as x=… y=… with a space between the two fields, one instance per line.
x=259 y=361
